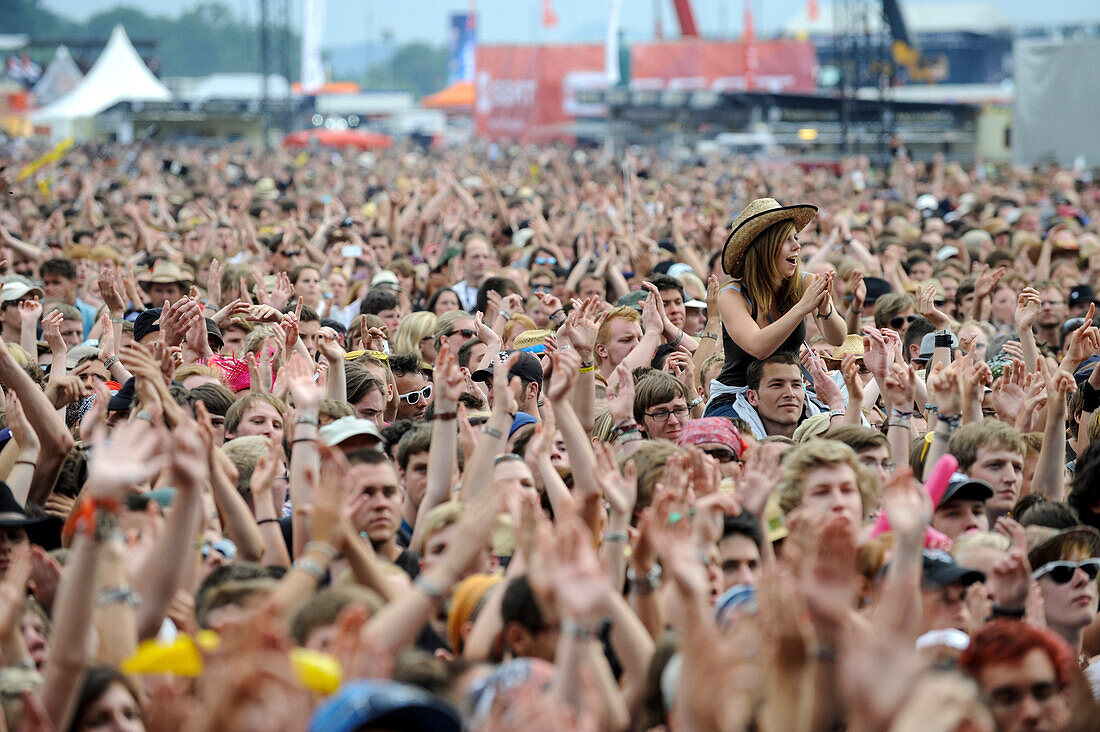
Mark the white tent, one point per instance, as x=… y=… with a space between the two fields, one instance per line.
x=59 y=78
x=118 y=75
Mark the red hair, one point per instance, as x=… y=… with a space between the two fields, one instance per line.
x=1006 y=641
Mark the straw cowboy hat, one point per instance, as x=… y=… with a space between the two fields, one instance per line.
x=758 y=216
x=166 y=272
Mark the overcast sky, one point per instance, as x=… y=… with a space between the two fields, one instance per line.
x=519 y=21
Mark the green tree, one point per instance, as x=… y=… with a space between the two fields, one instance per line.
x=416 y=67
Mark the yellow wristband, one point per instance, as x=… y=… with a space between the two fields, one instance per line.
x=586 y=369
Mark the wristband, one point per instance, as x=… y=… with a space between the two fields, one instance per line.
x=645 y=584
x=709 y=335
x=695 y=402
x=616 y=537
x=444 y=416
x=309 y=567
x=121 y=595
x=679 y=337
x=493 y=432
x=554 y=314
x=118 y=321
x=897 y=422
x=268 y=521
x=586 y=369
x=943 y=341
x=305 y=420
x=32 y=463
x=110 y=362
x=572 y=628
x=900 y=414
x=837 y=413
x=321 y=546
x=628 y=436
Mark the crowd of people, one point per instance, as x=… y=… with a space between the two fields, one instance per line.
x=497 y=438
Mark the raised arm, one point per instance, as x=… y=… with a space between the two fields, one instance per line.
x=442 y=454
x=762 y=342
x=1049 y=478
x=50 y=428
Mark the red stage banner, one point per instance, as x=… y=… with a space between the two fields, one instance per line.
x=530 y=93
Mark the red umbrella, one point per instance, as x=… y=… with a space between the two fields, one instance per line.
x=359 y=139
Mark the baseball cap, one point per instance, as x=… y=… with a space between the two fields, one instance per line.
x=962 y=486
x=693 y=303
x=940 y=570
x=72 y=358
x=927 y=202
x=1082 y=294
x=16 y=289
x=876 y=288
x=384 y=705
x=120 y=400
x=345 y=428
x=214 y=334
x=633 y=299
x=146 y=323
x=527 y=368
x=385 y=278
x=521 y=419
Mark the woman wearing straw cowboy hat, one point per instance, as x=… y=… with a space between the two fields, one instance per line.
x=765 y=307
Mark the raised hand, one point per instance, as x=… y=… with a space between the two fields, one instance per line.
x=825 y=388
x=907 y=505
x=303 y=389
x=449 y=378
x=1082 y=343
x=1028 y=305
x=51 y=331
x=620 y=488
x=987 y=281
x=563 y=375
x=329 y=346
x=926 y=307
x=29 y=312
x=876 y=356
x=943 y=390
x=582 y=324
x=1008 y=391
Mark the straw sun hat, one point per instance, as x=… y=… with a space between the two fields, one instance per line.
x=758 y=216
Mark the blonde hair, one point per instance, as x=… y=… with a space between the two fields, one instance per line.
x=762 y=282
x=969 y=543
x=412 y=329
x=818 y=453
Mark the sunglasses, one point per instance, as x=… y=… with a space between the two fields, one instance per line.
x=722 y=454
x=466 y=332
x=542 y=288
x=413 y=397
x=223 y=546
x=897 y=321
x=551 y=261
x=1062 y=572
x=292 y=253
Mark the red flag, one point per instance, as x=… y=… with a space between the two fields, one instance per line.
x=749 y=39
x=549 y=17
x=811 y=10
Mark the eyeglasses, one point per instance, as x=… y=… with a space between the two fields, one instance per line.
x=466 y=332
x=662 y=415
x=897 y=321
x=414 y=397
x=1011 y=696
x=551 y=261
x=1062 y=572
x=292 y=253
x=542 y=288
x=722 y=454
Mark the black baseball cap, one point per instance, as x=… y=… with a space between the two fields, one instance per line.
x=1082 y=295
x=527 y=368
x=214 y=334
x=963 y=487
x=145 y=323
x=940 y=570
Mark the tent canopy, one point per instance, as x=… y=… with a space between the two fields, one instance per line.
x=59 y=78
x=459 y=94
x=118 y=75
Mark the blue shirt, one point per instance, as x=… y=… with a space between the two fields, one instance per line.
x=87 y=312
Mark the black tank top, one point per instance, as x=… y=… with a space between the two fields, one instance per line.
x=735 y=370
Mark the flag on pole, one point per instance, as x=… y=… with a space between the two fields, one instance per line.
x=313 y=30
x=811 y=10
x=549 y=17
x=749 y=39
x=611 y=46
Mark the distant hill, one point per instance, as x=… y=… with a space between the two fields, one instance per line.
x=205 y=39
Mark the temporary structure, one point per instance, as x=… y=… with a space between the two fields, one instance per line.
x=457 y=97
x=118 y=75
x=59 y=78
